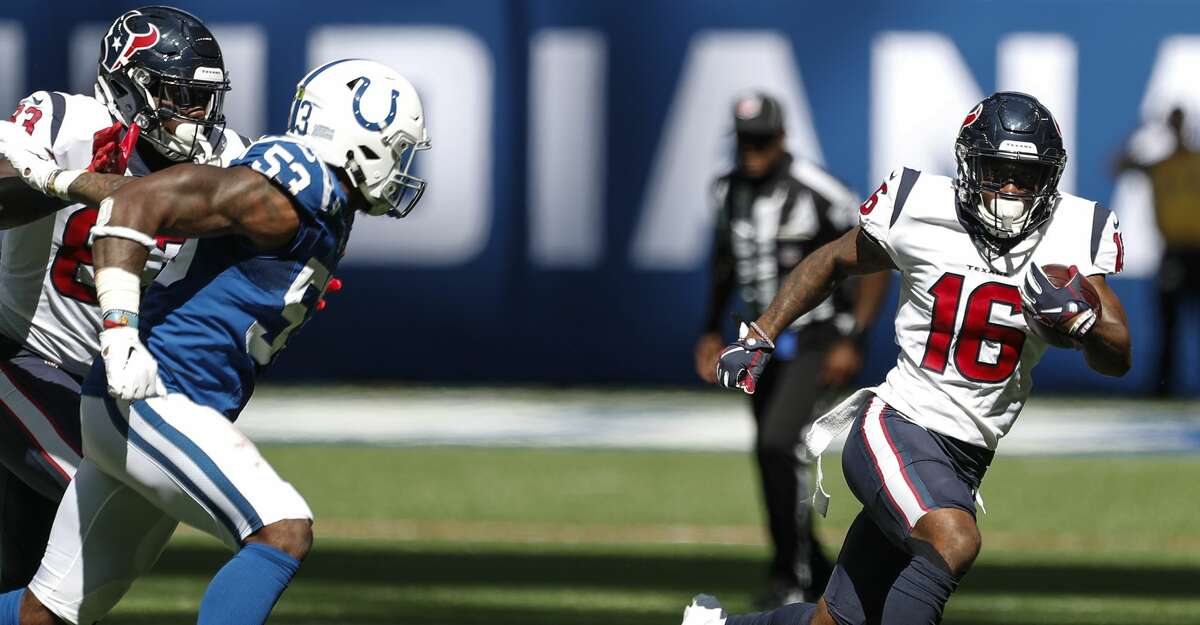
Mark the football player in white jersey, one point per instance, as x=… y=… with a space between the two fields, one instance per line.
x=977 y=311
x=158 y=102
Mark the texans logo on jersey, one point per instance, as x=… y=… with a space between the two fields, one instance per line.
x=126 y=37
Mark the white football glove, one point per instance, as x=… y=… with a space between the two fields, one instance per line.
x=34 y=164
x=132 y=371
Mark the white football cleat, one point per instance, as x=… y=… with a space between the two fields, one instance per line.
x=704 y=610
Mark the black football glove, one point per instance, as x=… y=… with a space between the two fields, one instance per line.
x=1062 y=309
x=743 y=360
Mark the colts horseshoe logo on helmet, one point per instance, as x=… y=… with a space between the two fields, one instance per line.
x=363 y=83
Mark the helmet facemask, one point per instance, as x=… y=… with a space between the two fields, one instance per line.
x=1010 y=158
x=183 y=117
x=161 y=69
x=396 y=192
x=1008 y=194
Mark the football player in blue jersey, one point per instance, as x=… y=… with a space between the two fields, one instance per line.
x=159 y=99
x=178 y=364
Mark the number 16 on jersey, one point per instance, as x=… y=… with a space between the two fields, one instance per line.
x=977 y=327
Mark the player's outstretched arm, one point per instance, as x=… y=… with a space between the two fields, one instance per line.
x=1106 y=347
x=91 y=187
x=193 y=201
x=817 y=275
x=21 y=203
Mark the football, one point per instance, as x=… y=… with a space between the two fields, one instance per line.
x=1059 y=276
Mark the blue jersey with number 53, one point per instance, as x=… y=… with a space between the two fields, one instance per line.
x=222 y=310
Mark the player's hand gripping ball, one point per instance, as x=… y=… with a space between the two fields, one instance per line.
x=1059 y=304
x=743 y=360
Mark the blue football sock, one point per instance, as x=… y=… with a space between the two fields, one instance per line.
x=919 y=594
x=247 y=587
x=10 y=607
x=793 y=614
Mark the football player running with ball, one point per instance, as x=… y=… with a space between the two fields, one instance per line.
x=996 y=265
x=178 y=364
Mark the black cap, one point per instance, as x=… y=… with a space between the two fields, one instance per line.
x=757 y=114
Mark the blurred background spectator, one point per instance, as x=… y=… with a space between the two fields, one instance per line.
x=1175 y=180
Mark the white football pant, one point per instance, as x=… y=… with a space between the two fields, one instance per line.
x=147 y=466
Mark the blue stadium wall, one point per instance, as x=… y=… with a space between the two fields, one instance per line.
x=493 y=308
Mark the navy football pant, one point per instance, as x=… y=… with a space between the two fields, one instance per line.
x=900 y=472
x=40 y=450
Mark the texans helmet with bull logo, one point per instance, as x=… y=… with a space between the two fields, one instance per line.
x=161 y=69
x=1008 y=137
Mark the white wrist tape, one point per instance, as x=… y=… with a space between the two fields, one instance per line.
x=121 y=232
x=118 y=290
x=102 y=229
x=60 y=181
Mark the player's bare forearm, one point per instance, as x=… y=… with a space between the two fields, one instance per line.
x=120 y=253
x=137 y=210
x=1107 y=348
x=816 y=276
x=202 y=201
x=91 y=188
x=152 y=205
x=19 y=203
x=140 y=206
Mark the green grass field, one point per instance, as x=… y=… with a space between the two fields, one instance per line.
x=465 y=536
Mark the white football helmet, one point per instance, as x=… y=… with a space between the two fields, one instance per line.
x=365 y=118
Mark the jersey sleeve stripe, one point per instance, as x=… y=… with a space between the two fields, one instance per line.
x=1099 y=220
x=907 y=180
x=60 y=112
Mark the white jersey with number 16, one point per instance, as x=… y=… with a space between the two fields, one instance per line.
x=966 y=354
